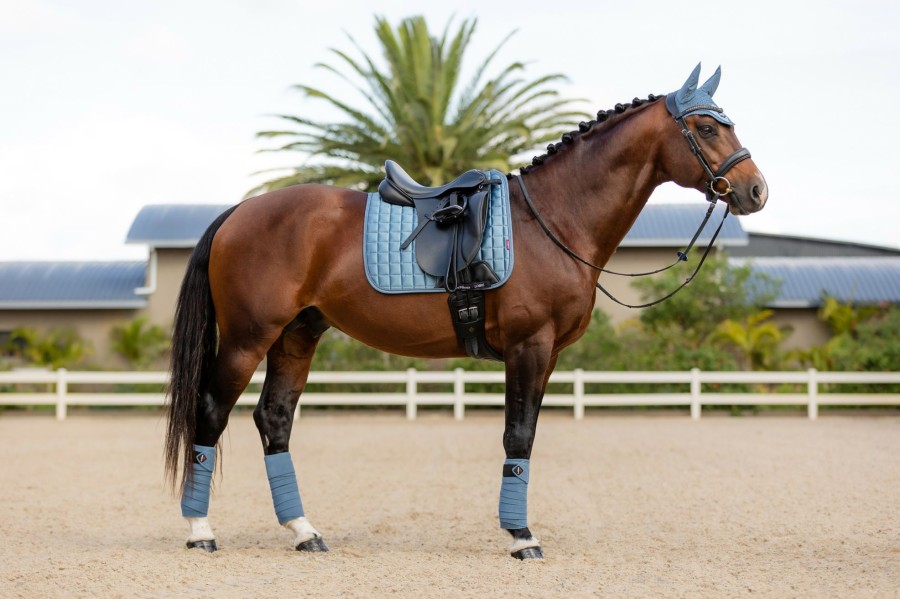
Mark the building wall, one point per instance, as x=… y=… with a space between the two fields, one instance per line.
x=807 y=331
x=94 y=326
x=171 y=265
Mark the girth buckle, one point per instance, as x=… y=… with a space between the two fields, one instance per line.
x=468 y=314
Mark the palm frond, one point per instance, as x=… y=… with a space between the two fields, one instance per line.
x=417 y=111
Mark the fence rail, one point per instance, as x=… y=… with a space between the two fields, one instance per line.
x=57 y=392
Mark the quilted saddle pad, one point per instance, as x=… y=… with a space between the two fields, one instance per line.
x=392 y=270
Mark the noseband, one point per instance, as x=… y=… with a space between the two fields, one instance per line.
x=714 y=177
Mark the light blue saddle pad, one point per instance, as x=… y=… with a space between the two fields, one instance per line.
x=392 y=270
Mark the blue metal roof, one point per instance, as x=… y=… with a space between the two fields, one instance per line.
x=76 y=285
x=805 y=281
x=659 y=225
x=173 y=225
x=673 y=225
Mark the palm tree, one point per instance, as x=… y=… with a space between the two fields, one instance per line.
x=139 y=342
x=755 y=340
x=417 y=114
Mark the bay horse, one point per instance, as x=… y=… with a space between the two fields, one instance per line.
x=271 y=274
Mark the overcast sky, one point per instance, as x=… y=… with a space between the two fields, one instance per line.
x=106 y=106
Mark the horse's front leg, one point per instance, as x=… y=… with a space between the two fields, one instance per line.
x=286 y=375
x=528 y=368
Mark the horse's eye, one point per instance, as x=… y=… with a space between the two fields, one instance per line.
x=706 y=130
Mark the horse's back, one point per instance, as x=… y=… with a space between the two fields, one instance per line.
x=274 y=250
x=283 y=214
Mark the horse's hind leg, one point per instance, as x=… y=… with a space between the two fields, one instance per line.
x=286 y=373
x=234 y=365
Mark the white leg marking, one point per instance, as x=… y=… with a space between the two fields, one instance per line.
x=303 y=530
x=200 y=530
x=521 y=544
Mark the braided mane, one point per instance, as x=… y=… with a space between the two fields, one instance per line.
x=584 y=126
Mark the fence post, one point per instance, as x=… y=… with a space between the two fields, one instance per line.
x=459 y=390
x=62 y=387
x=578 y=388
x=695 y=394
x=411 y=394
x=812 y=389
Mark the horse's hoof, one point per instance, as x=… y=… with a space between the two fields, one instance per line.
x=314 y=545
x=208 y=546
x=529 y=553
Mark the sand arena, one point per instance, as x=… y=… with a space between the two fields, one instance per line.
x=630 y=506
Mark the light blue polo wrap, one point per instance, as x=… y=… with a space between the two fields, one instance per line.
x=283 y=484
x=514 y=494
x=195 y=499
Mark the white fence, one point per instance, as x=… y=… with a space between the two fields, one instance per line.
x=56 y=389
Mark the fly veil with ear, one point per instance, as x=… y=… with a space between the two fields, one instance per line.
x=693 y=100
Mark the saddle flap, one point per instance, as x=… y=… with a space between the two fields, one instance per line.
x=441 y=248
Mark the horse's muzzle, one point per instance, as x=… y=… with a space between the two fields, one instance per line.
x=749 y=197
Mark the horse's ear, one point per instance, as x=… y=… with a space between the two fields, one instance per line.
x=690 y=86
x=713 y=83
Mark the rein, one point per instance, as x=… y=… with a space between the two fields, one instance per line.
x=712 y=196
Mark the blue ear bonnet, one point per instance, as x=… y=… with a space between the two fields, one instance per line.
x=691 y=99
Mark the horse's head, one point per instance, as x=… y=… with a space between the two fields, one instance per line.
x=710 y=157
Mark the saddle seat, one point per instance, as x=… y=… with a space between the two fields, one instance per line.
x=401 y=189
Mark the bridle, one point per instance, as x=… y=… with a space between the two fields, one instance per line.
x=714 y=177
x=712 y=196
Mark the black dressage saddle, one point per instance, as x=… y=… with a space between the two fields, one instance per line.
x=448 y=235
x=451 y=222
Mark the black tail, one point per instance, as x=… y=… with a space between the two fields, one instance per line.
x=194 y=343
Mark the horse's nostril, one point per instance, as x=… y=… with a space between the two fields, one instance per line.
x=756 y=192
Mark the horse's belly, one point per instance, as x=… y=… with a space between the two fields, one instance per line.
x=411 y=325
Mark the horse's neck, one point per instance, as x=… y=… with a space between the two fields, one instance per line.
x=592 y=192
